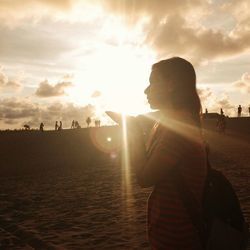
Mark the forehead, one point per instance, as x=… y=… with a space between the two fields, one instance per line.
x=155 y=77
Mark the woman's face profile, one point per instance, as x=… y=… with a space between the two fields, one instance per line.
x=157 y=91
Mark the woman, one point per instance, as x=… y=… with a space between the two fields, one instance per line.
x=175 y=144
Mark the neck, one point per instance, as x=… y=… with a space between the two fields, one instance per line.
x=175 y=114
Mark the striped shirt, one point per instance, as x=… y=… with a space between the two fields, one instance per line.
x=169 y=225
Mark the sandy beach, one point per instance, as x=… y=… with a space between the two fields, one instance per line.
x=88 y=206
x=75 y=74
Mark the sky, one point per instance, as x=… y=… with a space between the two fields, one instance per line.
x=70 y=59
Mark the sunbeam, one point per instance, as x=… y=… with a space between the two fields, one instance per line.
x=126 y=181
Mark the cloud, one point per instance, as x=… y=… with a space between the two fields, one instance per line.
x=137 y=9
x=239 y=9
x=12 y=12
x=19 y=111
x=243 y=84
x=14 y=108
x=177 y=37
x=45 y=89
x=166 y=27
x=32 y=42
x=6 y=83
x=170 y=27
x=3 y=78
x=224 y=102
x=65 y=112
x=214 y=102
x=172 y=31
x=10 y=122
x=96 y=94
x=204 y=94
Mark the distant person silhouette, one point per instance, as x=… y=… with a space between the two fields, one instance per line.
x=88 y=121
x=60 y=125
x=221 y=124
x=73 y=124
x=221 y=112
x=99 y=123
x=56 y=125
x=249 y=110
x=205 y=115
x=175 y=145
x=41 y=126
x=239 y=111
x=77 y=125
x=26 y=127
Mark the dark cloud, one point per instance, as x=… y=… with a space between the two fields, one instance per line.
x=175 y=27
x=225 y=103
x=45 y=89
x=214 y=102
x=10 y=122
x=61 y=112
x=13 y=84
x=176 y=37
x=13 y=108
x=14 y=111
x=6 y=83
x=3 y=79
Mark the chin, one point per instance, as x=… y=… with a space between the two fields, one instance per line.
x=153 y=106
x=154 y=103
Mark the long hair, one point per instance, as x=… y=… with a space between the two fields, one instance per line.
x=184 y=95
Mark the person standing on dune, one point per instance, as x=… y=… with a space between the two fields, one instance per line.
x=60 y=125
x=41 y=126
x=239 y=111
x=175 y=145
x=56 y=125
x=88 y=121
x=73 y=124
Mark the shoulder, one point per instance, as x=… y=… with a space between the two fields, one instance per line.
x=183 y=140
x=170 y=136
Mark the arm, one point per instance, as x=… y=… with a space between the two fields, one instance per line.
x=149 y=170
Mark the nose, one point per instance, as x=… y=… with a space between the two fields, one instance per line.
x=146 y=90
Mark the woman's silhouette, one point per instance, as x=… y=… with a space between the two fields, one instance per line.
x=175 y=144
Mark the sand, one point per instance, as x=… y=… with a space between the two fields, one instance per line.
x=87 y=206
x=78 y=210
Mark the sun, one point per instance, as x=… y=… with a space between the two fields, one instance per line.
x=119 y=69
x=120 y=74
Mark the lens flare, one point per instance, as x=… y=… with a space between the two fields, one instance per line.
x=102 y=140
